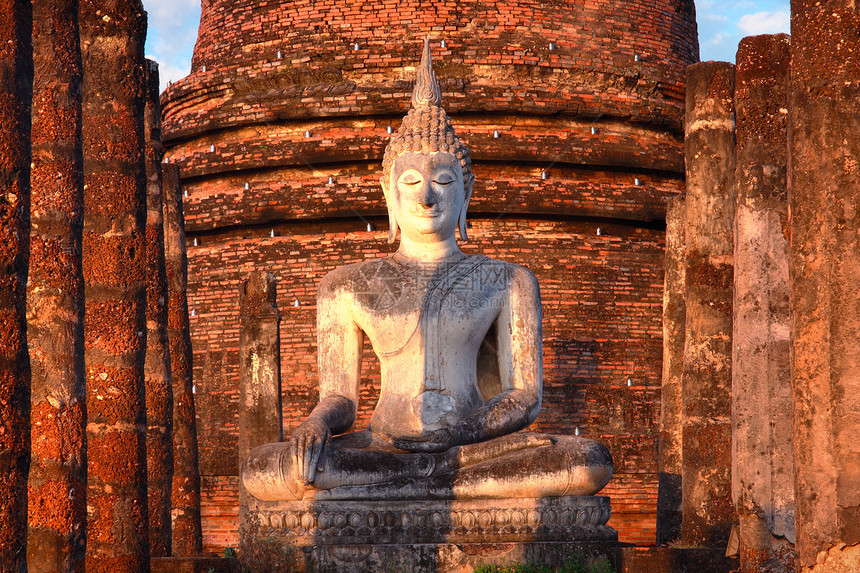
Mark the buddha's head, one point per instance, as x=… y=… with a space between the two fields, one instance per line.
x=426 y=172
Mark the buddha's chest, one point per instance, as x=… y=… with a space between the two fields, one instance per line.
x=429 y=314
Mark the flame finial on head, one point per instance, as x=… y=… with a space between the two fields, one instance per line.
x=426 y=92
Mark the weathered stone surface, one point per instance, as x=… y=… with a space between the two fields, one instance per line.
x=671 y=418
x=709 y=147
x=159 y=389
x=55 y=307
x=762 y=474
x=185 y=497
x=302 y=523
x=445 y=557
x=824 y=184
x=16 y=92
x=370 y=536
x=114 y=267
x=260 y=376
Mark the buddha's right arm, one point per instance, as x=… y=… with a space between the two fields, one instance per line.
x=339 y=342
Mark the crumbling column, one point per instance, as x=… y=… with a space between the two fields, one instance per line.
x=159 y=389
x=16 y=92
x=185 y=513
x=259 y=372
x=824 y=271
x=114 y=259
x=762 y=476
x=671 y=419
x=55 y=307
x=709 y=147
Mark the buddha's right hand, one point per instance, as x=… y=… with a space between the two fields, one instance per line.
x=308 y=441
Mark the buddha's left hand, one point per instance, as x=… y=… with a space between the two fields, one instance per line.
x=435 y=441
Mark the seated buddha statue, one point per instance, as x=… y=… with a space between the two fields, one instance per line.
x=458 y=337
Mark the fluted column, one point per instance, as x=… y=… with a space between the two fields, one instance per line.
x=55 y=306
x=114 y=259
x=185 y=513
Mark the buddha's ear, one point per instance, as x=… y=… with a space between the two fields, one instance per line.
x=467 y=186
x=392 y=220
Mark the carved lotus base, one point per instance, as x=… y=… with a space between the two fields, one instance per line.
x=425 y=535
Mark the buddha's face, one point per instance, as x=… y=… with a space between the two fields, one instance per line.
x=427 y=194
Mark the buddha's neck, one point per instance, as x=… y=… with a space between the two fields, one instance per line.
x=428 y=251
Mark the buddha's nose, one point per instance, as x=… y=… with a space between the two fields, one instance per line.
x=427 y=197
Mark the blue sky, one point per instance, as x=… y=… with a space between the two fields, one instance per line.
x=722 y=23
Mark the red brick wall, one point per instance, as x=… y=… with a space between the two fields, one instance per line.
x=243 y=121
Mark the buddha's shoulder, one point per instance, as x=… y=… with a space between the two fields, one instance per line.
x=358 y=276
x=514 y=275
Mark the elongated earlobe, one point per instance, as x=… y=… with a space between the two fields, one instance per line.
x=462 y=223
x=392 y=227
x=392 y=220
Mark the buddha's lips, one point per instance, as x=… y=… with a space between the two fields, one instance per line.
x=427 y=214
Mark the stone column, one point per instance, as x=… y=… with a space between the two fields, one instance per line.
x=16 y=92
x=709 y=147
x=114 y=259
x=824 y=270
x=259 y=371
x=55 y=306
x=671 y=420
x=185 y=512
x=159 y=389
x=762 y=476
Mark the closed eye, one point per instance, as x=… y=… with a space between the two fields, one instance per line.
x=443 y=181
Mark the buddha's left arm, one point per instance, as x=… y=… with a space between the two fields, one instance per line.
x=520 y=353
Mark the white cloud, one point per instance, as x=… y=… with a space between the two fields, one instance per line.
x=171 y=35
x=765 y=22
x=715 y=40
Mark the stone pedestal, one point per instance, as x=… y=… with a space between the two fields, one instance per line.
x=427 y=535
